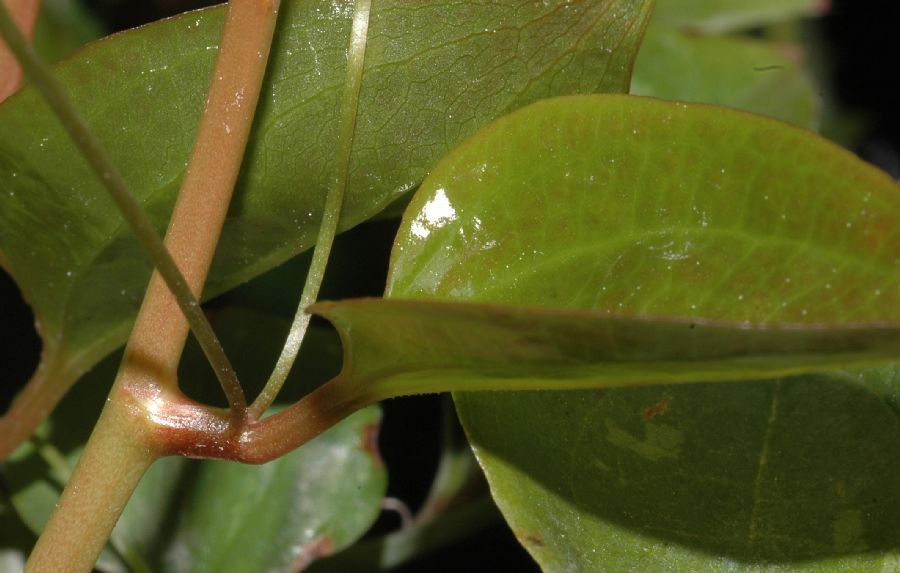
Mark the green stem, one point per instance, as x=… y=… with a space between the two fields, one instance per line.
x=131 y=209
x=331 y=215
x=107 y=473
x=43 y=391
x=130 y=435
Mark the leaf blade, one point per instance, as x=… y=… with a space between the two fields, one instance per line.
x=401 y=347
x=662 y=477
x=727 y=15
x=726 y=216
x=754 y=75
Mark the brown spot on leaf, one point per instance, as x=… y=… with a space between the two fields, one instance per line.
x=370 y=441
x=535 y=540
x=840 y=488
x=657 y=409
x=317 y=549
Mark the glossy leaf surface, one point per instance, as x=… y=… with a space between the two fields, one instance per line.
x=726 y=15
x=648 y=208
x=217 y=516
x=434 y=73
x=744 y=73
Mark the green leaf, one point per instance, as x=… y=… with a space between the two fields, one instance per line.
x=590 y=201
x=434 y=74
x=792 y=475
x=62 y=27
x=402 y=347
x=216 y=516
x=744 y=73
x=648 y=208
x=726 y=15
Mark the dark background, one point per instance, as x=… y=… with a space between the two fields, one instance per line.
x=860 y=71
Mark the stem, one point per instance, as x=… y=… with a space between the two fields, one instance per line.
x=127 y=438
x=24 y=13
x=32 y=405
x=195 y=431
x=107 y=473
x=396 y=505
x=331 y=215
x=456 y=468
x=208 y=185
x=395 y=549
x=127 y=203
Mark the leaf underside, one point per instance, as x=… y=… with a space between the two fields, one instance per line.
x=401 y=347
